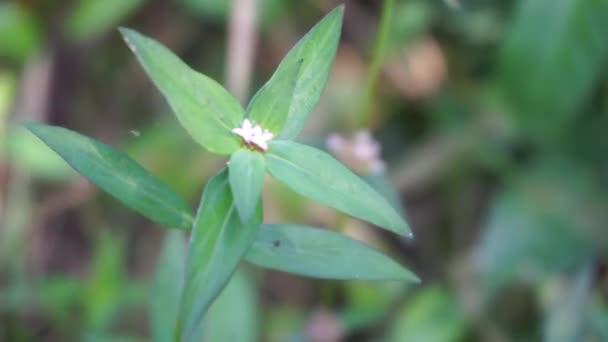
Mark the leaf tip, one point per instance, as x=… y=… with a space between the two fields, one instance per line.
x=124 y=30
x=413 y=278
x=127 y=35
x=340 y=9
x=406 y=275
x=402 y=228
x=410 y=235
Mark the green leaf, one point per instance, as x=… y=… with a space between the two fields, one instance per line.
x=167 y=287
x=318 y=176
x=549 y=66
x=320 y=253
x=234 y=315
x=203 y=107
x=118 y=175
x=246 y=175
x=317 y=50
x=270 y=105
x=92 y=17
x=382 y=184
x=219 y=241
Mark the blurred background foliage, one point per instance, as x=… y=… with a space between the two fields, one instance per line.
x=491 y=116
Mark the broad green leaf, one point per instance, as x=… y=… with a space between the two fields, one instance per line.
x=318 y=176
x=233 y=317
x=246 y=175
x=92 y=17
x=219 y=241
x=118 y=175
x=203 y=107
x=270 y=105
x=553 y=56
x=320 y=253
x=164 y=303
x=317 y=50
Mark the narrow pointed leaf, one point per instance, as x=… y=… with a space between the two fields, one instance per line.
x=234 y=316
x=203 y=107
x=117 y=174
x=270 y=105
x=317 y=51
x=167 y=287
x=246 y=175
x=219 y=241
x=382 y=184
x=317 y=175
x=320 y=253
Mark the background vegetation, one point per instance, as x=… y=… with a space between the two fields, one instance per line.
x=491 y=115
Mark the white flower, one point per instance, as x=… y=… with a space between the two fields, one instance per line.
x=254 y=135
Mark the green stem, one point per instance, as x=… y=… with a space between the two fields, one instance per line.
x=364 y=117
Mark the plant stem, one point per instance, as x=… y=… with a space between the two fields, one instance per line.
x=365 y=115
x=242 y=42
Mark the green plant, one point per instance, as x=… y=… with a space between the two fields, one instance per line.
x=228 y=224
